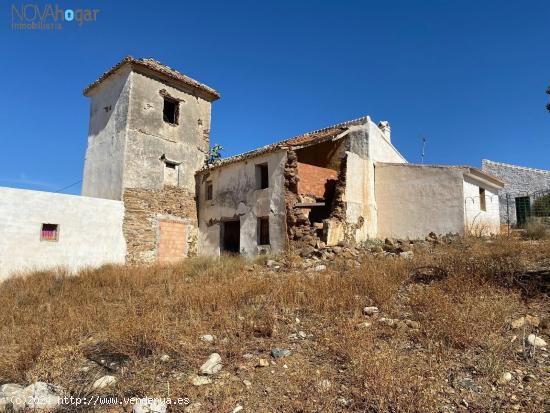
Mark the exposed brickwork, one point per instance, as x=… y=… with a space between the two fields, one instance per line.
x=145 y=209
x=313 y=179
x=172 y=244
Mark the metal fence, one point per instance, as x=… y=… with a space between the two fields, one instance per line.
x=520 y=209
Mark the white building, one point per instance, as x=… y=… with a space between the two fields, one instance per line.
x=148 y=196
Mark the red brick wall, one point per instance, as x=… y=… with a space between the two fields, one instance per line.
x=313 y=179
x=172 y=241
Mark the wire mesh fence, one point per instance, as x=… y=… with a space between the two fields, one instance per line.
x=520 y=210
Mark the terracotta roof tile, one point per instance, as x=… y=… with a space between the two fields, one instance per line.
x=159 y=68
x=306 y=139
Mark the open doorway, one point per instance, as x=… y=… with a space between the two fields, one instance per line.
x=231 y=234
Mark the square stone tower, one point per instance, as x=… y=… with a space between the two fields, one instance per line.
x=148 y=136
x=149 y=129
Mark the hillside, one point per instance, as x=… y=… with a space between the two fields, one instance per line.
x=444 y=328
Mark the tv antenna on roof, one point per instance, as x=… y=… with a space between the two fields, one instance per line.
x=424 y=140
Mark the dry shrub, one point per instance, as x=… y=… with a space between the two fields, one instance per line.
x=393 y=382
x=463 y=311
x=536 y=230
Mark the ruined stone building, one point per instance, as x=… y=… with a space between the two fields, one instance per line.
x=148 y=196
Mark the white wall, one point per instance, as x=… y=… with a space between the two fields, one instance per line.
x=368 y=145
x=235 y=197
x=415 y=200
x=380 y=148
x=104 y=160
x=480 y=222
x=357 y=196
x=90 y=231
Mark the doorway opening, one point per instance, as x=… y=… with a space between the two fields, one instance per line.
x=231 y=234
x=523 y=210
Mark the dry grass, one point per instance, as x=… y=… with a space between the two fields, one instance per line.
x=51 y=323
x=536 y=229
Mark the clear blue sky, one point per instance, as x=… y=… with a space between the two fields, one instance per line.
x=468 y=75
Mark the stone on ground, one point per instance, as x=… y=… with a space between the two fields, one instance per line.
x=371 y=310
x=278 y=353
x=103 y=382
x=536 y=341
x=213 y=365
x=200 y=380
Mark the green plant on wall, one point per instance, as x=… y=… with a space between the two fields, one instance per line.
x=214 y=154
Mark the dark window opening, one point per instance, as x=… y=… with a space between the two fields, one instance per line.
x=231 y=236
x=482 y=202
x=263 y=231
x=209 y=191
x=170 y=111
x=49 y=232
x=262 y=176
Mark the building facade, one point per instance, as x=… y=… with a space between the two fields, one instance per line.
x=145 y=172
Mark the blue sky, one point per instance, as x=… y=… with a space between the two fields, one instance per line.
x=468 y=75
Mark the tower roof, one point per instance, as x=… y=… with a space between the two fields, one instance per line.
x=155 y=68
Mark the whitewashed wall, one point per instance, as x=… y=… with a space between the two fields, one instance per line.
x=480 y=222
x=414 y=200
x=235 y=197
x=90 y=231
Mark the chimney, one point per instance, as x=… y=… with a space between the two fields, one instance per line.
x=384 y=126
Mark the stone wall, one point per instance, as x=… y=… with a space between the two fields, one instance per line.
x=145 y=209
x=518 y=181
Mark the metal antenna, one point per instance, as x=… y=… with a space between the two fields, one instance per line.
x=424 y=140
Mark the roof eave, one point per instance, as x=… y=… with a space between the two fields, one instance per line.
x=486 y=178
x=138 y=66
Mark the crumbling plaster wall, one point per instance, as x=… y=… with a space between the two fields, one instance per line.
x=104 y=159
x=480 y=222
x=126 y=140
x=235 y=197
x=149 y=136
x=90 y=231
x=145 y=209
x=415 y=200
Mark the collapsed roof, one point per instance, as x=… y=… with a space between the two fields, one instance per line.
x=307 y=139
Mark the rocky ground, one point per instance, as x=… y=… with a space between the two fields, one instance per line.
x=440 y=325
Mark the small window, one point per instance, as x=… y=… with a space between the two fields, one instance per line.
x=170 y=111
x=209 y=191
x=263 y=231
x=262 y=176
x=482 y=202
x=49 y=232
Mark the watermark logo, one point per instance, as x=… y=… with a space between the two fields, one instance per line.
x=32 y=16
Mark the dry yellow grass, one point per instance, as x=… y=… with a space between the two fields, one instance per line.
x=50 y=323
